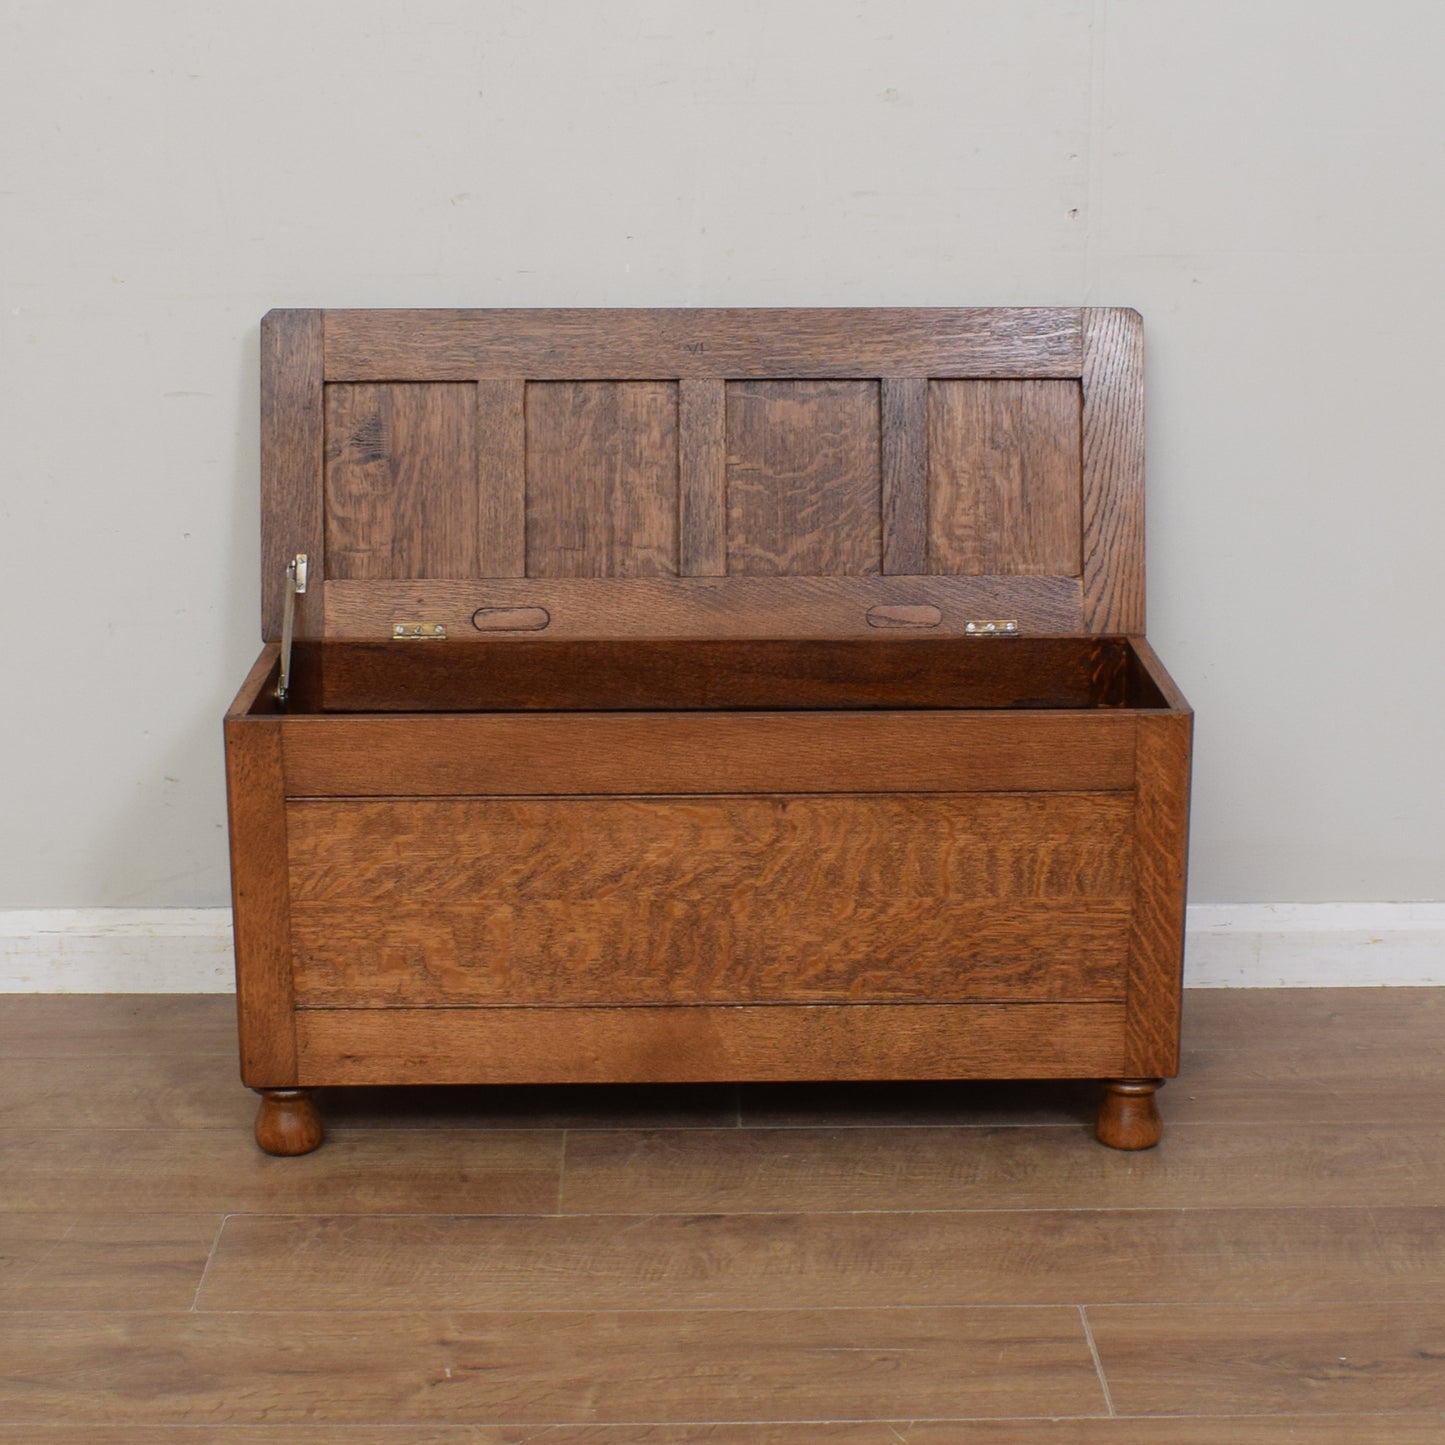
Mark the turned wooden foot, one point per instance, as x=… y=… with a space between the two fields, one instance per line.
x=1128 y=1117
x=288 y=1122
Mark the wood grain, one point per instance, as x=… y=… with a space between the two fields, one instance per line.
x=186 y=1171
x=1375 y=1429
x=899 y=672
x=558 y=754
x=602 y=478
x=1113 y=470
x=904 y=440
x=1156 y=943
x=292 y=490
x=1196 y=1166
x=803 y=478
x=256 y=812
x=1003 y=477
x=1272 y=1359
x=501 y=431
x=401 y=480
x=546 y=1367
x=57 y=1261
x=702 y=477
x=805 y=1261
x=700 y=607
x=699 y=1043
x=440 y=345
x=775 y=899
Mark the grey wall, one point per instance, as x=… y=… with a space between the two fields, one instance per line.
x=1262 y=180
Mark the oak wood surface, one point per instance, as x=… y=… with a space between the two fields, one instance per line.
x=602 y=479
x=653 y=674
x=501 y=480
x=401 y=481
x=702 y=477
x=819 y=752
x=292 y=441
x=700 y=1042
x=382 y=345
x=1003 y=477
x=1156 y=943
x=603 y=901
x=903 y=403
x=1113 y=479
x=701 y=607
x=261 y=909
x=803 y=470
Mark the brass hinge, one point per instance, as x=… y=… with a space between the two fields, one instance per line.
x=1002 y=627
x=295 y=586
x=418 y=631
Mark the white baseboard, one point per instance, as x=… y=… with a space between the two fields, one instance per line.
x=116 y=950
x=1249 y=945
x=1314 y=945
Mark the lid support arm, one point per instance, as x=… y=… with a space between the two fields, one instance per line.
x=295 y=585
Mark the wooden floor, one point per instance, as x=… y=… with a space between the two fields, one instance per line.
x=810 y=1264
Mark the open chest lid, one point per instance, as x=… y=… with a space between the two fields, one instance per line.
x=702 y=473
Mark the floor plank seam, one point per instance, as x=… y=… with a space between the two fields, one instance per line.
x=206 y=1268
x=1098 y=1363
x=561 y=1172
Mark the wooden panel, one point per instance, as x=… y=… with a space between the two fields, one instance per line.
x=758 y=899
x=261 y=908
x=1156 y=945
x=709 y=607
x=1003 y=477
x=803 y=478
x=641 y=345
x=904 y=440
x=1113 y=479
x=649 y=949
x=401 y=480
x=501 y=479
x=291 y=476
x=601 y=479
x=664 y=674
x=562 y=754
x=698 y=1043
x=702 y=488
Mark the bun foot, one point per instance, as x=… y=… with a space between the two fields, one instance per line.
x=288 y=1122
x=1128 y=1117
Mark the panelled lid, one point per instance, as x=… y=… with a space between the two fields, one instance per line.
x=702 y=473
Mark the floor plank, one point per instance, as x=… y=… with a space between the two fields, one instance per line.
x=1197 y=1165
x=1271 y=1359
x=69 y=1025
x=98 y=1171
x=825 y=1260
x=544 y=1368
x=128 y=1091
x=103 y=1261
x=1254 y=1430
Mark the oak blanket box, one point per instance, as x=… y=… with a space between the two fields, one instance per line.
x=663 y=696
